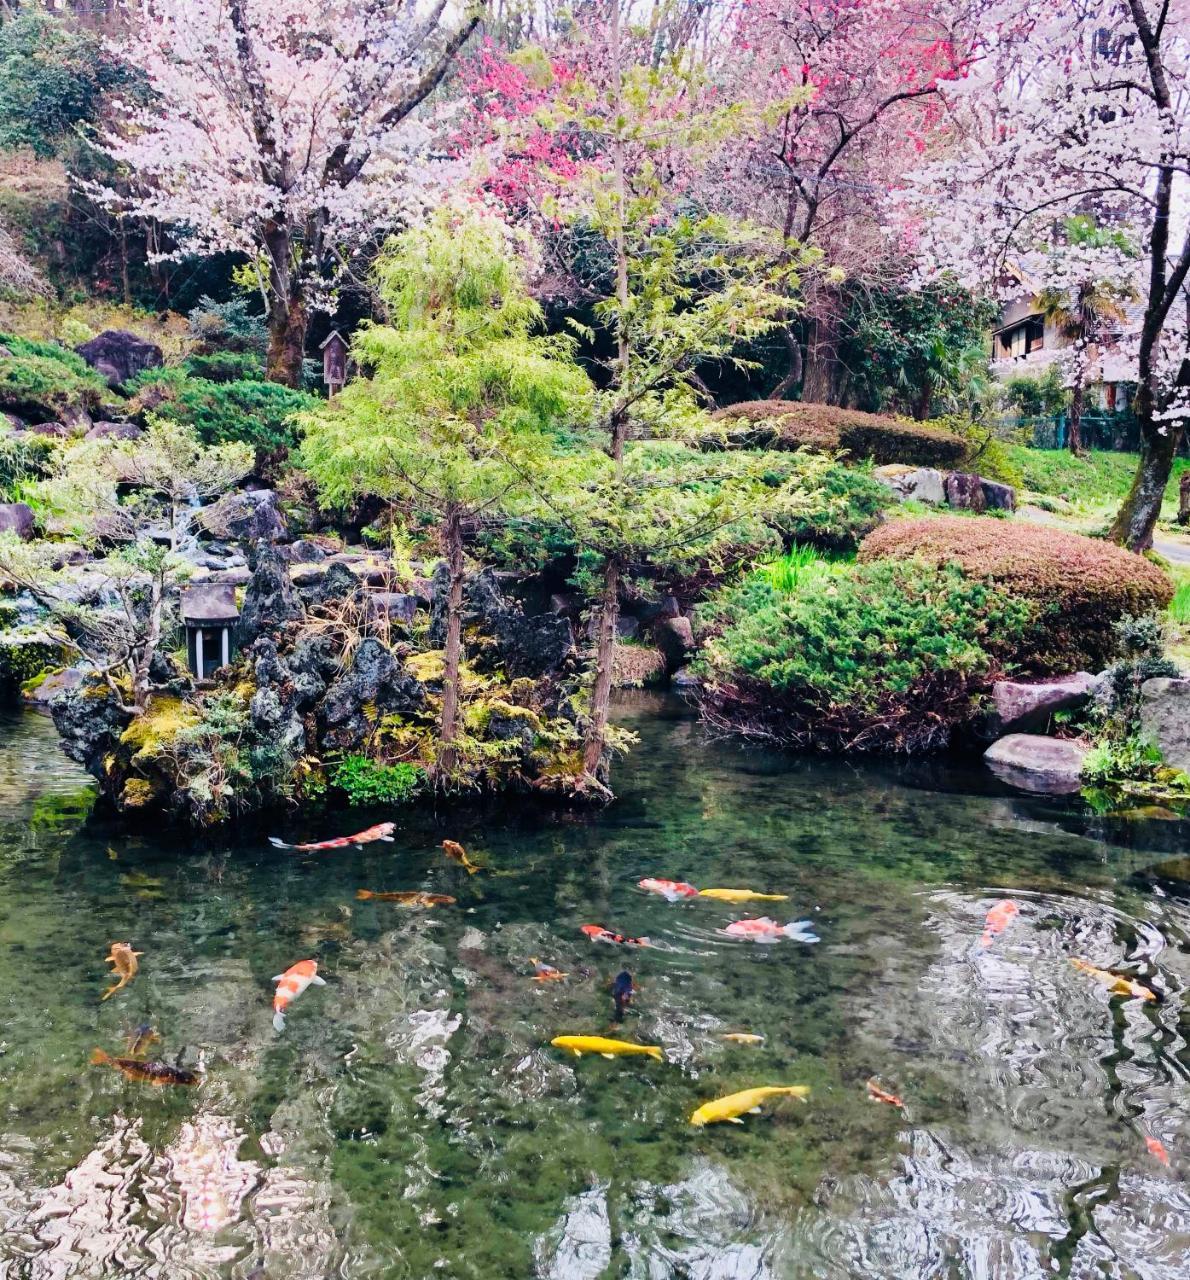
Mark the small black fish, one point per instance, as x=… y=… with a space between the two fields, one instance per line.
x=622 y=992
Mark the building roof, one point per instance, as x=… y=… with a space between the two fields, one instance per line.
x=330 y=337
x=209 y=602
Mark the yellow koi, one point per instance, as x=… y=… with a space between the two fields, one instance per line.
x=742 y=1037
x=735 y=1105
x=1117 y=985
x=606 y=1048
x=124 y=963
x=742 y=895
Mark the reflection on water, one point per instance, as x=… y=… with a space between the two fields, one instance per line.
x=413 y=1121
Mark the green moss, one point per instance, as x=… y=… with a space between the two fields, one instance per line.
x=165 y=719
x=137 y=793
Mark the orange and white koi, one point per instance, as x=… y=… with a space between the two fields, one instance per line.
x=124 y=962
x=1157 y=1150
x=1116 y=984
x=290 y=985
x=997 y=920
x=877 y=1094
x=456 y=853
x=381 y=831
x=766 y=930
x=597 y=933
x=543 y=972
x=670 y=890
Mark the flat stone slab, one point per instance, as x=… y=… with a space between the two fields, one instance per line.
x=1020 y=707
x=1047 y=766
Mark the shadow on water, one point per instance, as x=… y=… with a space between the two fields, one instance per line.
x=412 y=1121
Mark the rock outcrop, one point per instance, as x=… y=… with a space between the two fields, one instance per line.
x=924 y=484
x=1019 y=707
x=119 y=355
x=1165 y=719
x=269 y=599
x=18 y=518
x=250 y=517
x=373 y=684
x=1050 y=766
x=965 y=490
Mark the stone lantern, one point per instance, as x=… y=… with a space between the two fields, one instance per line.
x=209 y=614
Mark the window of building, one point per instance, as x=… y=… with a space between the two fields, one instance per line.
x=1021 y=339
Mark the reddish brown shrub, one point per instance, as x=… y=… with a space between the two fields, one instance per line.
x=826 y=428
x=1082 y=585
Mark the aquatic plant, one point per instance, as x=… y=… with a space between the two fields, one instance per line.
x=367 y=781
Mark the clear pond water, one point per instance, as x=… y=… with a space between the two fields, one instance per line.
x=413 y=1121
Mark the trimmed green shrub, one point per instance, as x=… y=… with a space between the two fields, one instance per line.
x=43 y=380
x=1082 y=586
x=250 y=411
x=367 y=781
x=851 y=507
x=226 y=366
x=879 y=657
x=790 y=424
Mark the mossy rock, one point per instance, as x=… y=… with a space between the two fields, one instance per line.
x=138 y=793
x=157 y=727
x=26 y=655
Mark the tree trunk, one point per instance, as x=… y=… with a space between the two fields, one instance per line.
x=287 y=339
x=1137 y=517
x=1078 y=397
x=452 y=546
x=822 y=347
x=1184 y=499
x=605 y=648
x=793 y=378
x=141 y=691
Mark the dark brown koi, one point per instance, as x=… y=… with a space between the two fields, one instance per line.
x=157 y=1074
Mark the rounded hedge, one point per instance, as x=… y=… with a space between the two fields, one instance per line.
x=824 y=428
x=1082 y=586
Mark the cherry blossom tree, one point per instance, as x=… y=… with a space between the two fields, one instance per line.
x=871 y=71
x=285 y=130
x=1080 y=107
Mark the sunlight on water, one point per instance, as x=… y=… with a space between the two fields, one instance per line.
x=413 y=1121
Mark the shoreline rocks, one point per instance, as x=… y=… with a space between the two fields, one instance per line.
x=1045 y=766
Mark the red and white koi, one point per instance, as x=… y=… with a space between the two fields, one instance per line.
x=766 y=930
x=381 y=831
x=597 y=933
x=290 y=985
x=670 y=890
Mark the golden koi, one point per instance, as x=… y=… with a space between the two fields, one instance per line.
x=578 y=1045
x=290 y=985
x=734 y=1105
x=154 y=1073
x=1117 y=985
x=998 y=919
x=742 y=1037
x=124 y=962
x=742 y=895
x=1157 y=1150
x=877 y=1094
x=408 y=898
x=456 y=853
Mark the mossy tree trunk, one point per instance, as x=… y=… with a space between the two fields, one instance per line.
x=452 y=546
x=605 y=652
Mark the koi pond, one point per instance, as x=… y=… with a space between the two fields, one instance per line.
x=413 y=1120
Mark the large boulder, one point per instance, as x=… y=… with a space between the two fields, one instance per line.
x=375 y=682
x=119 y=355
x=251 y=518
x=89 y=720
x=269 y=599
x=675 y=638
x=964 y=490
x=1050 y=766
x=1019 y=707
x=17 y=517
x=997 y=496
x=114 y=431
x=924 y=484
x=1165 y=719
x=531 y=646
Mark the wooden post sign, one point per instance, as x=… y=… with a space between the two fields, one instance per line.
x=334 y=362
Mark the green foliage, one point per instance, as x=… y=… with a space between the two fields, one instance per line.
x=1111 y=762
x=23 y=458
x=1098 y=481
x=261 y=414
x=1179 y=606
x=24 y=655
x=52 y=79
x=226 y=366
x=989 y=448
x=367 y=782
x=228 y=326
x=44 y=378
x=917 y=351
x=879 y=655
x=1037 y=396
